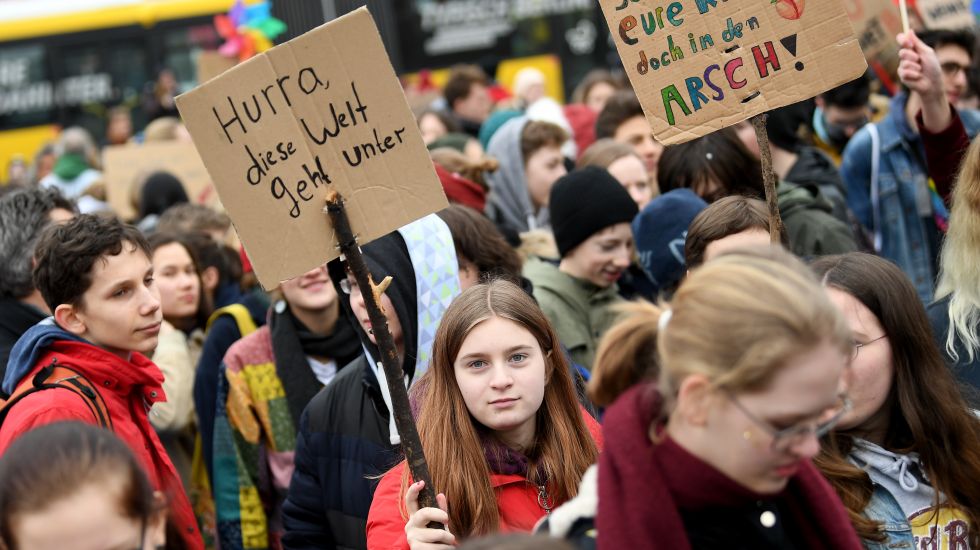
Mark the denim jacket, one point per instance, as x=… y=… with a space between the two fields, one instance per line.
x=885 y=509
x=901 y=175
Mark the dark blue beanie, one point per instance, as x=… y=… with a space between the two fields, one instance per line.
x=660 y=231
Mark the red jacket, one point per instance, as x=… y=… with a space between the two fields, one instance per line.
x=129 y=388
x=517 y=503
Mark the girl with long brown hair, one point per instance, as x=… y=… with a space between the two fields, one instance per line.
x=502 y=430
x=906 y=459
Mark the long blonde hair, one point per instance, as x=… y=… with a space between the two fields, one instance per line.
x=959 y=261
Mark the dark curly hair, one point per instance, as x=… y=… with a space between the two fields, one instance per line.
x=66 y=254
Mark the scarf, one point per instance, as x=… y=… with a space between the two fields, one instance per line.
x=292 y=342
x=504 y=460
x=69 y=166
x=643 y=486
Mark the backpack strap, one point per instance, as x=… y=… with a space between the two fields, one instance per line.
x=875 y=196
x=241 y=315
x=59 y=376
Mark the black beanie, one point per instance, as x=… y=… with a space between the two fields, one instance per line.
x=585 y=202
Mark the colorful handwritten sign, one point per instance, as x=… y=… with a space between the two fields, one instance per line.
x=323 y=111
x=701 y=65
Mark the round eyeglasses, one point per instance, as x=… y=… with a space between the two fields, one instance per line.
x=859 y=345
x=785 y=439
x=349 y=287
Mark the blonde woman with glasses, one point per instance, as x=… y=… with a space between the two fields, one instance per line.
x=733 y=385
x=906 y=458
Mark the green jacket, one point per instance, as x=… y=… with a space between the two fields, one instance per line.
x=579 y=310
x=810 y=226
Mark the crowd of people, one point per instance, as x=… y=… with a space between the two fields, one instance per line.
x=603 y=344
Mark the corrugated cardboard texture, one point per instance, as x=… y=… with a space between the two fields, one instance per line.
x=876 y=22
x=126 y=165
x=323 y=111
x=211 y=64
x=689 y=87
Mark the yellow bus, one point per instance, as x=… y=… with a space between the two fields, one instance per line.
x=66 y=62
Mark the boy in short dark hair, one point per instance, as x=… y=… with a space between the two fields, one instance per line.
x=96 y=277
x=731 y=222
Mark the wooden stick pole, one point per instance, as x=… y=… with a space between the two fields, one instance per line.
x=768 y=178
x=904 y=10
x=411 y=444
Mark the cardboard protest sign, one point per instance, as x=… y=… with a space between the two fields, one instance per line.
x=876 y=23
x=701 y=65
x=321 y=112
x=210 y=64
x=946 y=14
x=126 y=165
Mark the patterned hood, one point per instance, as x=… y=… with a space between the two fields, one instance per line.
x=421 y=259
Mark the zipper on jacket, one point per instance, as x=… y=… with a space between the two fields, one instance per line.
x=543 y=500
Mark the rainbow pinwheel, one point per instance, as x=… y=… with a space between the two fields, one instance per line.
x=247 y=30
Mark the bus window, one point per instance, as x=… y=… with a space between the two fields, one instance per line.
x=26 y=93
x=182 y=46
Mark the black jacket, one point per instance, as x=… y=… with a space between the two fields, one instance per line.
x=343 y=446
x=967 y=372
x=15 y=318
x=338 y=463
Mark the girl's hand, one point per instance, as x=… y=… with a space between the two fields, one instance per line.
x=419 y=536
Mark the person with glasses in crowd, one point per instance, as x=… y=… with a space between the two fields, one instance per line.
x=712 y=448
x=906 y=459
x=885 y=168
x=840 y=112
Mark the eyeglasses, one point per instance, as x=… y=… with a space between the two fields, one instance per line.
x=859 y=345
x=785 y=439
x=349 y=287
x=951 y=68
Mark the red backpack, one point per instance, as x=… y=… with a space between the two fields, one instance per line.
x=67 y=378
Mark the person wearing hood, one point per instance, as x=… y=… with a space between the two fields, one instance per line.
x=906 y=459
x=719 y=165
x=530 y=162
x=96 y=276
x=347 y=437
x=23 y=215
x=268 y=378
x=591 y=214
x=74 y=171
